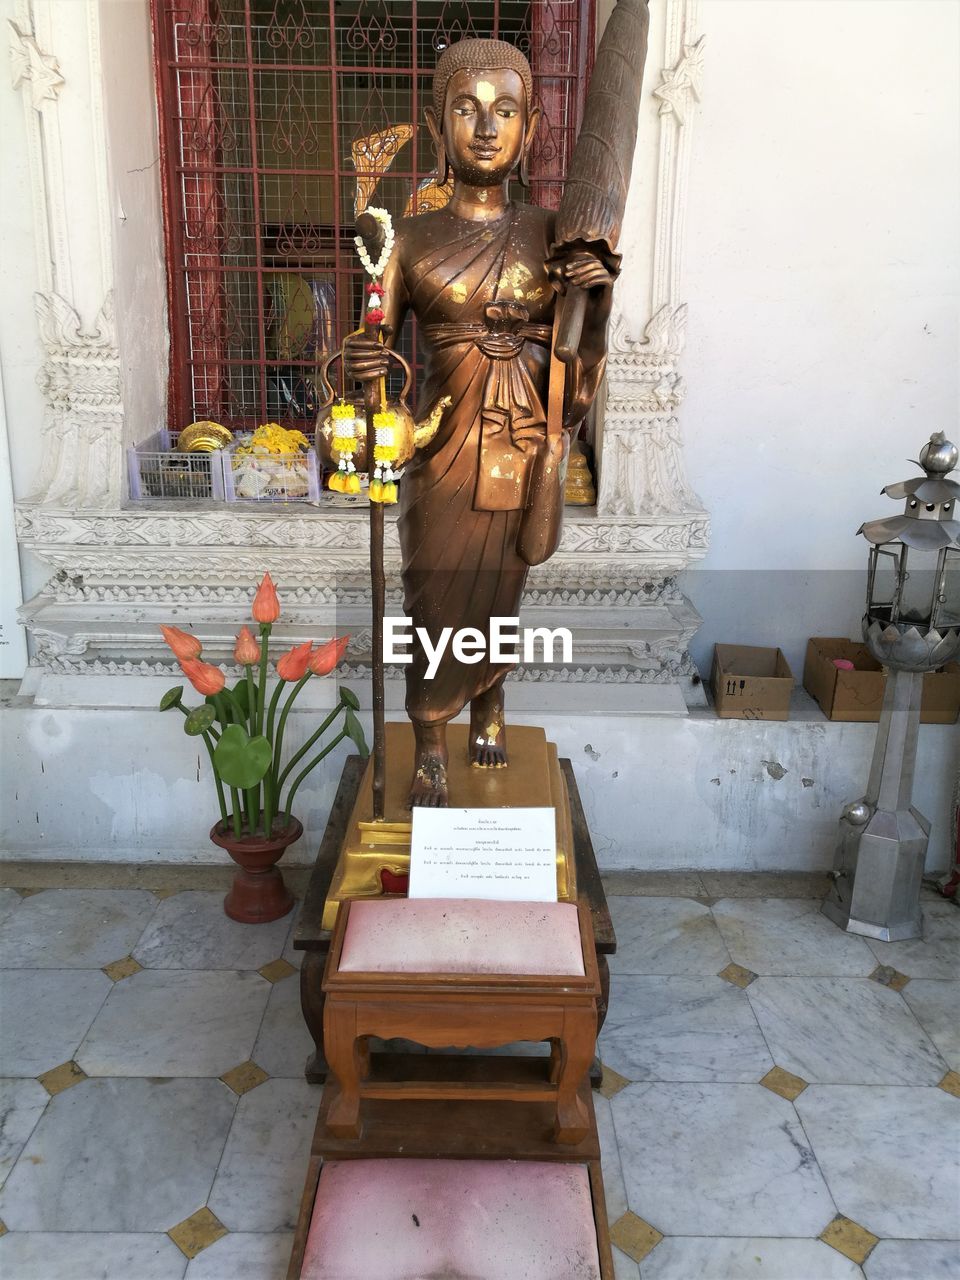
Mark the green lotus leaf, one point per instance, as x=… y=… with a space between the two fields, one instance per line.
x=241 y=691
x=354 y=731
x=349 y=698
x=171 y=698
x=199 y=721
x=241 y=761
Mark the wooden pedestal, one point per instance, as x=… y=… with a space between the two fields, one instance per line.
x=533 y=780
x=313 y=938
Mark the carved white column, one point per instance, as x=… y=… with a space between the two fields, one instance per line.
x=81 y=433
x=642 y=471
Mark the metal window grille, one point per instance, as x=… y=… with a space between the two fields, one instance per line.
x=278 y=120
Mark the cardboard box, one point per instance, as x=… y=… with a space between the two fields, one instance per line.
x=858 y=694
x=750 y=683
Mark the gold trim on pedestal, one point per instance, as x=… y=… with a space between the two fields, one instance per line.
x=532 y=780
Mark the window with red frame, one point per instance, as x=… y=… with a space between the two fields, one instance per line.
x=279 y=121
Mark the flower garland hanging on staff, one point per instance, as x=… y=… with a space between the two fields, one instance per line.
x=383 y=481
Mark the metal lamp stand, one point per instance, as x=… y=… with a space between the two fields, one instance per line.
x=883 y=839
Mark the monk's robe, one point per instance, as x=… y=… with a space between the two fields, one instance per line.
x=485 y=308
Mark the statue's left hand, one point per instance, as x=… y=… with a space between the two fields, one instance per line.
x=587 y=271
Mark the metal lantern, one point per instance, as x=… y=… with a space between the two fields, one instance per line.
x=908 y=627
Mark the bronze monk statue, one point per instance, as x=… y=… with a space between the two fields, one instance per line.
x=477 y=275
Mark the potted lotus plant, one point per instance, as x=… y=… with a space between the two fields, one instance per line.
x=243 y=731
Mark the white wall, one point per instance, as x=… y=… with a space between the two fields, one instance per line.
x=821 y=274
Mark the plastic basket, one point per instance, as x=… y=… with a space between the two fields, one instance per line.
x=156 y=470
x=293 y=477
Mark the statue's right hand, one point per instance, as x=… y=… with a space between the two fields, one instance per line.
x=365 y=359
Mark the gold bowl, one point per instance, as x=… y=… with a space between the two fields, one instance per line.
x=204 y=437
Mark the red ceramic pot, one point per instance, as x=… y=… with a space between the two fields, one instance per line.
x=258 y=893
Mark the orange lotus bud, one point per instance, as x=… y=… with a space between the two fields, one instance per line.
x=183 y=644
x=246 y=650
x=293 y=665
x=205 y=678
x=326 y=656
x=266 y=603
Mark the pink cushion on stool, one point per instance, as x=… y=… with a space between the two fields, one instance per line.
x=452 y=935
x=486 y=1219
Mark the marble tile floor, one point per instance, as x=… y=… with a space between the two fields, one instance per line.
x=780 y=1100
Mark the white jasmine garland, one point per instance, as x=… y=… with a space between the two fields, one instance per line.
x=376 y=269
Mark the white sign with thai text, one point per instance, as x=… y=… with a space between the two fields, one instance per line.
x=504 y=854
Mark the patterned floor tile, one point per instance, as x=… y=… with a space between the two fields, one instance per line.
x=774 y=936
x=693 y=1029
x=58 y=1255
x=887 y=976
x=198 y=1232
x=936 y=1005
x=758 y=1258
x=161 y=1023
x=843 y=1031
x=914 y=1260
x=634 y=1237
x=241 y=1079
x=784 y=1083
x=936 y=954
x=889 y=1155
x=665 y=936
x=46 y=1013
x=277 y=970
x=75 y=928
x=849 y=1238
x=718 y=1160
x=244 y=1256
x=191 y=931
x=737 y=975
x=22 y=1103
x=63 y=1077
x=120 y=1156
x=260 y=1179
x=121 y=969
x=284 y=1043
x=611 y=1082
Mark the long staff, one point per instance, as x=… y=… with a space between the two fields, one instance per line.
x=373 y=233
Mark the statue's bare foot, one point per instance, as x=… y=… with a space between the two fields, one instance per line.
x=429 y=787
x=487 y=746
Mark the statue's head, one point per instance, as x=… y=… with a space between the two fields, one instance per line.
x=483 y=119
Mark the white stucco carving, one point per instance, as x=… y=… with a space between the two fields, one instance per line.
x=680 y=83
x=80 y=381
x=32 y=66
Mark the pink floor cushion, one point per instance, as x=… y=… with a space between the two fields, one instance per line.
x=473 y=1219
x=452 y=935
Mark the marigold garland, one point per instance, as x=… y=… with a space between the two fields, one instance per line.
x=345 y=444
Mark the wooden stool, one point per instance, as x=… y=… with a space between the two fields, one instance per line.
x=398 y=1219
x=466 y=973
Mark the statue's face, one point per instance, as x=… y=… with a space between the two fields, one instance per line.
x=484 y=125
